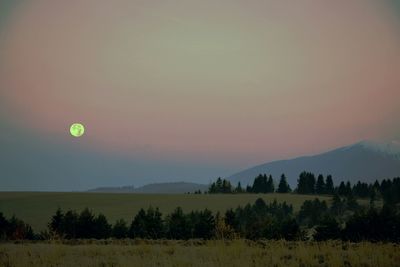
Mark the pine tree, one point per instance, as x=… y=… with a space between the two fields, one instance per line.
x=351 y=202
x=337 y=207
x=249 y=189
x=348 y=188
x=218 y=184
x=19 y=230
x=320 y=186
x=270 y=188
x=329 y=187
x=203 y=224
x=311 y=183
x=342 y=189
x=70 y=225
x=177 y=224
x=283 y=186
x=329 y=228
x=56 y=222
x=312 y=211
x=264 y=184
x=120 y=229
x=258 y=184
x=212 y=189
x=306 y=183
x=101 y=227
x=3 y=227
x=302 y=184
x=138 y=227
x=154 y=223
x=226 y=187
x=85 y=224
x=239 y=188
x=230 y=218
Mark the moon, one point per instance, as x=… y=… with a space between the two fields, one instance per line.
x=77 y=129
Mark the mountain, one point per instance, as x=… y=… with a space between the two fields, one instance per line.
x=156 y=188
x=365 y=161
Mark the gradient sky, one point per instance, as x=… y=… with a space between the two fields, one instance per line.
x=188 y=90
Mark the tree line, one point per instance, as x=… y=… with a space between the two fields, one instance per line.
x=261 y=184
x=343 y=219
x=14 y=228
x=308 y=183
x=148 y=224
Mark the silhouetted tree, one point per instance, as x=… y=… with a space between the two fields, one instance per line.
x=218 y=183
x=338 y=206
x=147 y=224
x=262 y=220
x=260 y=184
x=3 y=227
x=306 y=183
x=230 y=218
x=270 y=185
x=329 y=187
x=138 y=227
x=154 y=223
x=85 y=225
x=312 y=211
x=212 y=189
x=373 y=225
x=249 y=189
x=283 y=186
x=320 y=185
x=348 y=188
x=178 y=225
x=69 y=225
x=101 y=227
x=351 y=202
x=328 y=228
x=120 y=229
x=18 y=229
x=361 y=190
x=55 y=224
x=203 y=224
x=342 y=189
x=239 y=188
x=220 y=186
x=390 y=191
x=289 y=229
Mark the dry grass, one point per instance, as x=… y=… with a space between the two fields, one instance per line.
x=200 y=253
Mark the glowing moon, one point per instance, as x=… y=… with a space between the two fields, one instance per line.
x=77 y=130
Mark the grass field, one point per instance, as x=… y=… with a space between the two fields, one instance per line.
x=201 y=253
x=36 y=208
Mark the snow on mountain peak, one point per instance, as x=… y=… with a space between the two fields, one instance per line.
x=391 y=148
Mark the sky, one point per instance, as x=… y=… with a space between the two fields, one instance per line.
x=188 y=90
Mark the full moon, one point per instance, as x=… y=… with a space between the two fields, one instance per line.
x=77 y=130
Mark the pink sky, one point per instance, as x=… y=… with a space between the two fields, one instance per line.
x=221 y=81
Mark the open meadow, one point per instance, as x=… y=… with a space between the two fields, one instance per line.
x=36 y=208
x=200 y=253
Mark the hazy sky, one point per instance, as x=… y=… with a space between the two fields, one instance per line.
x=188 y=90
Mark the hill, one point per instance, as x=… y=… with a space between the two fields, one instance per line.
x=155 y=188
x=365 y=161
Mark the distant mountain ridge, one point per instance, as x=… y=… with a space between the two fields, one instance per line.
x=391 y=148
x=155 y=188
x=365 y=161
